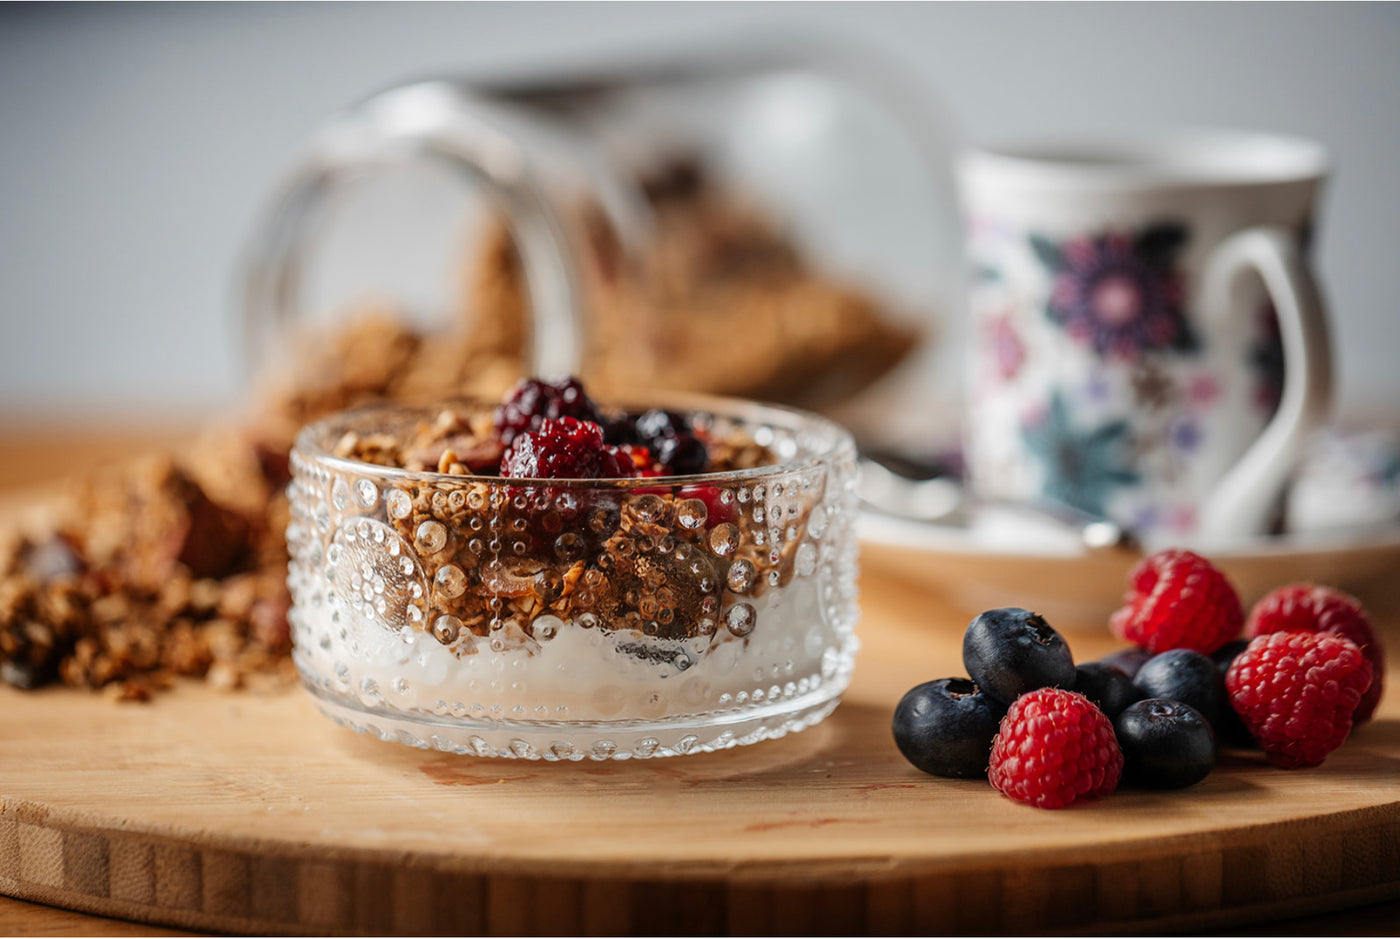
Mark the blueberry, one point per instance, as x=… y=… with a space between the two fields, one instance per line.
x=1227 y=654
x=26 y=675
x=682 y=455
x=620 y=430
x=946 y=727
x=656 y=424
x=1166 y=744
x=1010 y=651
x=1106 y=685
x=1183 y=675
x=1229 y=728
x=1129 y=660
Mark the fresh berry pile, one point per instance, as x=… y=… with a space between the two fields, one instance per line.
x=555 y=431
x=1049 y=733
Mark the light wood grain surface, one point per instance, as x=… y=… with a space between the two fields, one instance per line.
x=254 y=814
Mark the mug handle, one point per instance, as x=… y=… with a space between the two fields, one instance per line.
x=1242 y=501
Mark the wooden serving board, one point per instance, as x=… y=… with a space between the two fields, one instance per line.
x=255 y=814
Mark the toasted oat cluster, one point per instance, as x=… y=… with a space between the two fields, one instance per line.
x=176 y=566
x=637 y=560
x=653 y=559
x=465 y=439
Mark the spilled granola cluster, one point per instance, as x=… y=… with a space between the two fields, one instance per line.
x=175 y=565
x=140 y=576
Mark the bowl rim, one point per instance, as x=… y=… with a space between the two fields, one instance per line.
x=307 y=445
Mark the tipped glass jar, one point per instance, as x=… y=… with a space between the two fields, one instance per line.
x=570 y=619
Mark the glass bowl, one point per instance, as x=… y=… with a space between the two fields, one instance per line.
x=572 y=619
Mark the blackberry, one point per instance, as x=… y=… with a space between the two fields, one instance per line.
x=1184 y=675
x=946 y=727
x=532 y=401
x=1108 y=686
x=1166 y=744
x=564 y=449
x=1010 y=651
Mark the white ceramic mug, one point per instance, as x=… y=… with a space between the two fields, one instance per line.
x=1147 y=342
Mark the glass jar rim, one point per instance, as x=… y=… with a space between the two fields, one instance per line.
x=313 y=441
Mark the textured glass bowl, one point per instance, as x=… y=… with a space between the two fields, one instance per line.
x=571 y=619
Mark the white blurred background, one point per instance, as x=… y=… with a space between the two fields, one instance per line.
x=139 y=143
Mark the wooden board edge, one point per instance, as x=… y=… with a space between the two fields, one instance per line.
x=1187 y=882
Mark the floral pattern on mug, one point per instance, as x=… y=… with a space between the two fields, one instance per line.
x=1008 y=352
x=1121 y=293
x=1081 y=468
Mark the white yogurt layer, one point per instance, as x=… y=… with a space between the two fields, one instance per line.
x=579 y=674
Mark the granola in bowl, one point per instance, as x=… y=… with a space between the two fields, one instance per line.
x=445 y=601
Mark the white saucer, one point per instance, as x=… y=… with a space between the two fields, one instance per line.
x=1014 y=562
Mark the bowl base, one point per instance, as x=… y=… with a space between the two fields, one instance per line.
x=579 y=740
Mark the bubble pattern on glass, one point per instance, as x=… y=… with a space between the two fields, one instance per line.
x=371 y=572
x=792 y=527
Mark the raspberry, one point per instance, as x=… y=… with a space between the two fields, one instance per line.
x=1312 y=609
x=532 y=401
x=1178 y=600
x=1296 y=692
x=1054 y=747
x=565 y=449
